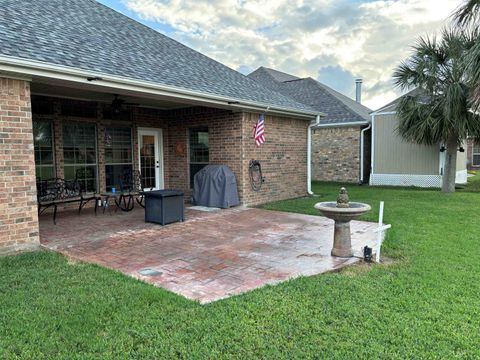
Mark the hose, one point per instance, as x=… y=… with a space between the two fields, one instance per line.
x=256 y=176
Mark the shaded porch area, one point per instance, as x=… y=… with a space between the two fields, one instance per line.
x=212 y=255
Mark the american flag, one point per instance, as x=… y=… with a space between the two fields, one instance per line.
x=260 y=130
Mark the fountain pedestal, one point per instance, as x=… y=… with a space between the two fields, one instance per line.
x=342 y=241
x=342 y=212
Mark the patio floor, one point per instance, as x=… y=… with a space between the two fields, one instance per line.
x=212 y=255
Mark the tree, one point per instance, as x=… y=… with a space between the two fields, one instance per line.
x=468 y=17
x=438 y=111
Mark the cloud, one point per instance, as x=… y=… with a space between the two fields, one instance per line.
x=339 y=79
x=330 y=38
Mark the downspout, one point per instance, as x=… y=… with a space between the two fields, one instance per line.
x=309 y=154
x=372 y=147
x=362 y=142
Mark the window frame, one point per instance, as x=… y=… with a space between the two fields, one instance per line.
x=475 y=153
x=190 y=162
x=106 y=163
x=85 y=165
x=52 y=134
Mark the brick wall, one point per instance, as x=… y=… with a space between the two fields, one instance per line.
x=224 y=137
x=18 y=210
x=283 y=158
x=336 y=154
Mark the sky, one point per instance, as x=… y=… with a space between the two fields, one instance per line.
x=332 y=41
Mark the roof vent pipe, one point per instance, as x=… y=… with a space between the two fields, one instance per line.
x=358 y=91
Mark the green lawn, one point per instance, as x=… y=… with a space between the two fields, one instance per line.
x=424 y=305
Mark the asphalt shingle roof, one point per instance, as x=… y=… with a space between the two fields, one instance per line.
x=337 y=107
x=85 y=34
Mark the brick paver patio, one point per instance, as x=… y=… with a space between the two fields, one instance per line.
x=212 y=255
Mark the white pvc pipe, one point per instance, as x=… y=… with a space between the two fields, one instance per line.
x=379 y=234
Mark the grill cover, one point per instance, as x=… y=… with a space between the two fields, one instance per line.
x=215 y=186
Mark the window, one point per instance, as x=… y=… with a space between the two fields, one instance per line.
x=118 y=154
x=199 y=153
x=80 y=154
x=43 y=144
x=476 y=154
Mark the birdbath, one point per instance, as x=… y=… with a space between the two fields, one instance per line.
x=342 y=212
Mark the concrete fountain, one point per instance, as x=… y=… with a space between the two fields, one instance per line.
x=342 y=212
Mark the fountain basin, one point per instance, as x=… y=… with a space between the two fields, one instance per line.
x=354 y=211
x=342 y=215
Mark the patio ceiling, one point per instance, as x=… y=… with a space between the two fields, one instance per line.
x=90 y=92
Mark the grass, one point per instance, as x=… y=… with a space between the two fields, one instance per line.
x=424 y=305
x=473 y=182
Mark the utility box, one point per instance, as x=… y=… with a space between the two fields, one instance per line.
x=164 y=206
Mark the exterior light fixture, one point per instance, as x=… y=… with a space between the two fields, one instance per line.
x=442 y=149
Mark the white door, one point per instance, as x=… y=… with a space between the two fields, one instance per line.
x=150 y=158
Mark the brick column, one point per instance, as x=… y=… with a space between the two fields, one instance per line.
x=18 y=209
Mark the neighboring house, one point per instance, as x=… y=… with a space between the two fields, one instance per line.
x=86 y=90
x=401 y=163
x=473 y=154
x=342 y=139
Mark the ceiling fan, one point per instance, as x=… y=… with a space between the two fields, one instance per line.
x=117 y=104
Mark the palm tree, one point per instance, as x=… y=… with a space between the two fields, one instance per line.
x=438 y=110
x=468 y=13
x=468 y=17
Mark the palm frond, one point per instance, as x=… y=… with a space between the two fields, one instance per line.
x=472 y=64
x=468 y=13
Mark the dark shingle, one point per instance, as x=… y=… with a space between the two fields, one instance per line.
x=337 y=107
x=87 y=35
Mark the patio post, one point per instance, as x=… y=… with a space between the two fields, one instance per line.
x=18 y=210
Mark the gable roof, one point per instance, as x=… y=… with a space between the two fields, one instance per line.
x=86 y=35
x=339 y=109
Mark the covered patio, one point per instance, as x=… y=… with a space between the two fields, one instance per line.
x=212 y=255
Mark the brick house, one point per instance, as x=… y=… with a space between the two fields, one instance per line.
x=341 y=141
x=83 y=87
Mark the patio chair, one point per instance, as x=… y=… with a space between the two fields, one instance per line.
x=131 y=185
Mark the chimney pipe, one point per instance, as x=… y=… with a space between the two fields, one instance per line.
x=358 y=90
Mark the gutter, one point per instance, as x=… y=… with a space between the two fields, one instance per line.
x=32 y=68
x=352 y=123
x=309 y=154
